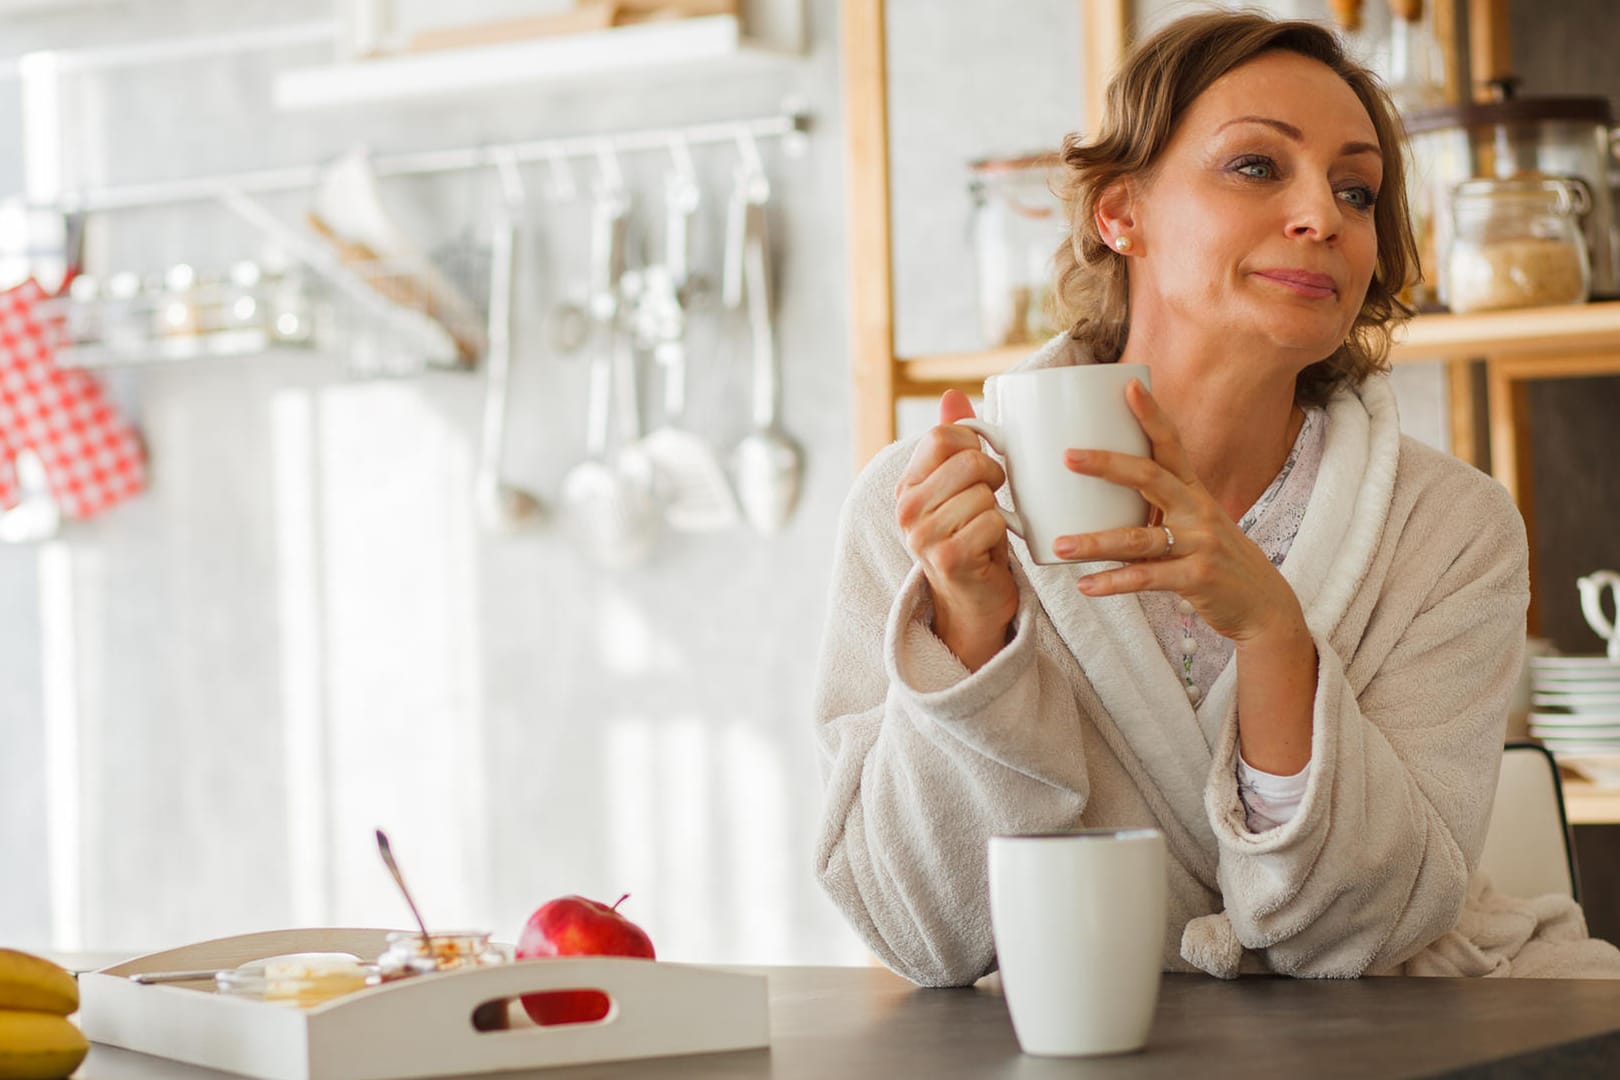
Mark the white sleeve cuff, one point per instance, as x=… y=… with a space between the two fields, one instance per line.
x=1269 y=800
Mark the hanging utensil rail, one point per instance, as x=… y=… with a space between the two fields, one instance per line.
x=790 y=125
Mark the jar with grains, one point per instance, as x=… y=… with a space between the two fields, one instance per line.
x=1017 y=225
x=408 y=953
x=1518 y=243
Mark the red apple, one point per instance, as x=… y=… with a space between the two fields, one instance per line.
x=575 y=926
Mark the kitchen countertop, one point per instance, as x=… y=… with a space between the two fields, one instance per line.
x=853 y=1022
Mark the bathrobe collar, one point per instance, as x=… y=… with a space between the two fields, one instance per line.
x=1163 y=741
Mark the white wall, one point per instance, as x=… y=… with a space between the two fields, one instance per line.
x=302 y=633
x=211 y=696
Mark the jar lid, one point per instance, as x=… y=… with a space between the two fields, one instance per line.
x=1531 y=110
x=1564 y=195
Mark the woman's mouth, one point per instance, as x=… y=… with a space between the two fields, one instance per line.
x=1302 y=282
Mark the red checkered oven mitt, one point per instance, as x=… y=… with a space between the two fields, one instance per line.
x=93 y=458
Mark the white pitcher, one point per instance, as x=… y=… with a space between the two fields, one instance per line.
x=1592 y=586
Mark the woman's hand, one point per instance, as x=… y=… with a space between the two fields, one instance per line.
x=1212 y=564
x=946 y=506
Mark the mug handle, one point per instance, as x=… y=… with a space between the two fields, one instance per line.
x=996 y=436
x=1591 y=587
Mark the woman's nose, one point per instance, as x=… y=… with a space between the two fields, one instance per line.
x=1316 y=213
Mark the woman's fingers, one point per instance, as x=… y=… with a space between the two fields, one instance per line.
x=1118 y=545
x=1161 y=432
x=953 y=406
x=972 y=546
x=959 y=472
x=949 y=518
x=1156 y=482
x=934 y=450
x=1168 y=576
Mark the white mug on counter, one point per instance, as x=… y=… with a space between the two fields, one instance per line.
x=1041 y=414
x=1605 y=627
x=1078 y=920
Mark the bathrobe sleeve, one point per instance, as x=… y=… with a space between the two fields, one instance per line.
x=1407 y=740
x=922 y=760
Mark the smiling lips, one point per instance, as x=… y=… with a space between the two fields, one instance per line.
x=1302 y=282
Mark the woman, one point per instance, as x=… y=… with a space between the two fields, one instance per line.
x=1299 y=672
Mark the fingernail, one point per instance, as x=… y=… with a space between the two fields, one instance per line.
x=1076 y=458
x=1065 y=548
x=1088 y=584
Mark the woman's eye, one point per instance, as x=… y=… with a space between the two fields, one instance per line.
x=1256 y=168
x=1360 y=197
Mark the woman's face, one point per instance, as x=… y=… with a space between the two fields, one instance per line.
x=1258 y=221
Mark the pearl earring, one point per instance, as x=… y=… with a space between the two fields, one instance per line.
x=1122 y=243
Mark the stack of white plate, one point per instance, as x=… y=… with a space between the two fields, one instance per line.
x=1576 y=712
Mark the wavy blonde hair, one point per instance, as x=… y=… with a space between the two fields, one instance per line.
x=1153 y=89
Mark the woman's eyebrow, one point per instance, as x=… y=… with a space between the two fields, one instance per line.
x=1297 y=135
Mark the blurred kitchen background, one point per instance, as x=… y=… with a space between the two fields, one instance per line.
x=332 y=608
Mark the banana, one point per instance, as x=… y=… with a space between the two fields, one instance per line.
x=39 y=1046
x=33 y=984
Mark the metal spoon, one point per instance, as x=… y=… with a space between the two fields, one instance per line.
x=504 y=506
x=768 y=463
x=610 y=501
x=393 y=868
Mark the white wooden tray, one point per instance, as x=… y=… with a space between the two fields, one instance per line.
x=420 y=1026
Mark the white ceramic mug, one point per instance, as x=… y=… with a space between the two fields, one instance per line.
x=1044 y=412
x=1591 y=587
x=1079 y=927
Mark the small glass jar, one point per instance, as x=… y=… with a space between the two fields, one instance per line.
x=1018 y=224
x=289 y=313
x=408 y=954
x=177 y=303
x=242 y=306
x=300 y=980
x=1518 y=243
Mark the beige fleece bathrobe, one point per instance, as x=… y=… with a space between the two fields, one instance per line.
x=1411 y=568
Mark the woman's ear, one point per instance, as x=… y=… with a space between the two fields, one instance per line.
x=1116 y=216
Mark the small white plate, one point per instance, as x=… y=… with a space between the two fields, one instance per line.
x=1577 y=734
x=1609 y=672
x=1579 y=703
x=1583 y=746
x=1558 y=683
x=1577 y=685
x=1580 y=719
x=1572 y=664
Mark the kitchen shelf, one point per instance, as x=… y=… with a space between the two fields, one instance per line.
x=219 y=346
x=673 y=43
x=1571 y=328
x=1526 y=332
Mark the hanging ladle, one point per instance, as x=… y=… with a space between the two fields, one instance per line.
x=767 y=463
x=503 y=506
x=610 y=498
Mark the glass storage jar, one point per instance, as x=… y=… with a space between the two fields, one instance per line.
x=1017 y=225
x=1518 y=243
x=407 y=954
x=177 y=303
x=300 y=980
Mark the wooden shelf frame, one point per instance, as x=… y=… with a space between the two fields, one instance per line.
x=1515 y=346
x=1522 y=336
x=881 y=376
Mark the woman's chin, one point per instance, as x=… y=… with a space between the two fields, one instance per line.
x=1314 y=336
